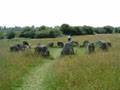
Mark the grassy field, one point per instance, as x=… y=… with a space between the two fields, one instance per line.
x=97 y=71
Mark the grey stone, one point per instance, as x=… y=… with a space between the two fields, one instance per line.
x=75 y=43
x=109 y=44
x=14 y=48
x=98 y=43
x=91 y=48
x=60 y=44
x=43 y=50
x=18 y=47
x=50 y=45
x=68 y=49
x=104 y=46
x=85 y=43
x=38 y=44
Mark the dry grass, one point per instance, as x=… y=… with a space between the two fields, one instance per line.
x=14 y=65
x=98 y=71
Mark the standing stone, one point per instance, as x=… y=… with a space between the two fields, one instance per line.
x=109 y=44
x=38 y=44
x=43 y=50
x=104 y=46
x=75 y=43
x=68 y=49
x=21 y=47
x=99 y=43
x=85 y=43
x=50 y=45
x=14 y=48
x=61 y=44
x=91 y=48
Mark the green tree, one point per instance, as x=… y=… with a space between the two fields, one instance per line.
x=50 y=33
x=1 y=36
x=10 y=34
x=88 y=30
x=117 y=30
x=27 y=32
x=66 y=29
x=99 y=30
x=43 y=28
x=108 y=29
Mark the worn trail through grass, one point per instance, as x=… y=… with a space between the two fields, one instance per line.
x=34 y=79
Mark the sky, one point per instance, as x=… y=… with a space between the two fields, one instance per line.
x=56 y=12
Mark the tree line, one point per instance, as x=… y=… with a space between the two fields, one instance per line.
x=53 y=32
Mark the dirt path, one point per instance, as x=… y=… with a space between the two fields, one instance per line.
x=35 y=78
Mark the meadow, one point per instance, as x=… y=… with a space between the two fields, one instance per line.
x=82 y=71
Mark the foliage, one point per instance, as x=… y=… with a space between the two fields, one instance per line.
x=88 y=30
x=10 y=34
x=99 y=30
x=27 y=32
x=66 y=29
x=117 y=30
x=1 y=36
x=108 y=29
x=43 y=28
x=51 y=33
x=76 y=30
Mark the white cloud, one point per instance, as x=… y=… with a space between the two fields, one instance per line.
x=57 y=12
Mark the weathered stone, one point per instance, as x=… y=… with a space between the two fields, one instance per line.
x=14 y=48
x=22 y=47
x=68 y=49
x=50 y=45
x=43 y=50
x=60 y=44
x=98 y=43
x=38 y=44
x=85 y=43
x=109 y=44
x=18 y=47
x=75 y=43
x=91 y=48
x=104 y=46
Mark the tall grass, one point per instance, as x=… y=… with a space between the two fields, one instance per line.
x=97 y=71
x=13 y=65
x=100 y=70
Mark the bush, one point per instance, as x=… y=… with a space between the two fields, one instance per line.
x=76 y=30
x=108 y=29
x=1 y=36
x=88 y=30
x=52 y=33
x=66 y=29
x=10 y=34
x=27 y=32
x=99 y=30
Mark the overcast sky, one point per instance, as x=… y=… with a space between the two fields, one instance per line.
x=57 y=12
